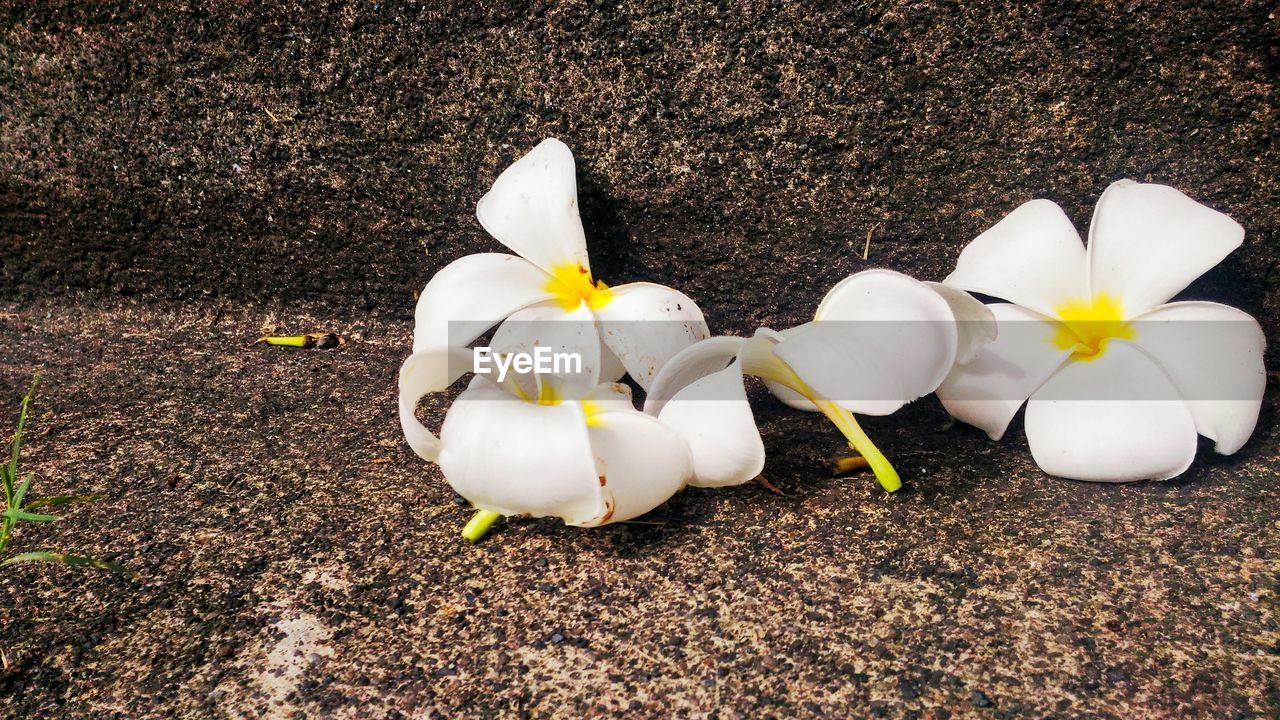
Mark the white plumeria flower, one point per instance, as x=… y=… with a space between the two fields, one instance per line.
x=533 y=210
x=879 y=340
x=589 y=460
x=1119 y=382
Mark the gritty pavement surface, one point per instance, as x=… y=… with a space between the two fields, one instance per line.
x=174 y=178
x=295 y=557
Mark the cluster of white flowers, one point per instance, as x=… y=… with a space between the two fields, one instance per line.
x=1113 y=395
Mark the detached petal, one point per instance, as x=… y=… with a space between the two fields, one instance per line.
x=520 y=458
x=571 y=334
x=689 y=365
x=1148 y=242
x=713 y=417
x=1033 y=257
x=646 y=325
x=533 y=208
x=640 y=463
x=1117 y=418
x=1214 y=356
x=471 y=294
x=879 y=341
x=426 y=372
x=975 y=325
x=987 y=391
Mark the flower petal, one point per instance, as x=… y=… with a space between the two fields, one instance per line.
x=880 y=340
x=426 y=372
x=1116 y=418
x=640 y=462
x=789 y=397
x=520 y=458
x=548 y=325
x=533 y=208
x=713 y=417
x=987 y=391
x=1033 y=257
x=689 y=365
x=1214 y=356
x=611 y=368
x=610 y=396
x=975 y=325
x=1148 y=242
x=647 y=324
x=471 y=294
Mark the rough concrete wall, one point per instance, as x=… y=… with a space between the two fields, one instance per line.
x=332 y=155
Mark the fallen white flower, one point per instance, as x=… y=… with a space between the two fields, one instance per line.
x=1119 y=382
x=533 y=210
x=879 y=340
x=589 y=460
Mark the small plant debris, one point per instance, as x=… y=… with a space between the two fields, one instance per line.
x=319 y=341
x=848 y=463
x=18 y=509
x=763 y=482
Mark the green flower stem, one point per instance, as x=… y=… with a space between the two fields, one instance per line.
x=773 y=368
x=287 y=340
x=479 y=525
x=858 y=440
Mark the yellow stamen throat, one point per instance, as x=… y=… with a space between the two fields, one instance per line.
x=571 y=285
x=1085 y=326
x=547 y=394
x=592 y=410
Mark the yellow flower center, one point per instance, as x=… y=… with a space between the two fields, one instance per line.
x=571 y=285
x=592 y=410
x=547 y=394
x=1085 y=326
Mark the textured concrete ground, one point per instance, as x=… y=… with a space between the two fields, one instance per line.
x=171 y=179
x=295 y=556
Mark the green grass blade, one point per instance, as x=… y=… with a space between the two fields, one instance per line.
x=57 y=500
x=21 y=492
x=34 y=517
x=16 y=446
x=65 y=559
